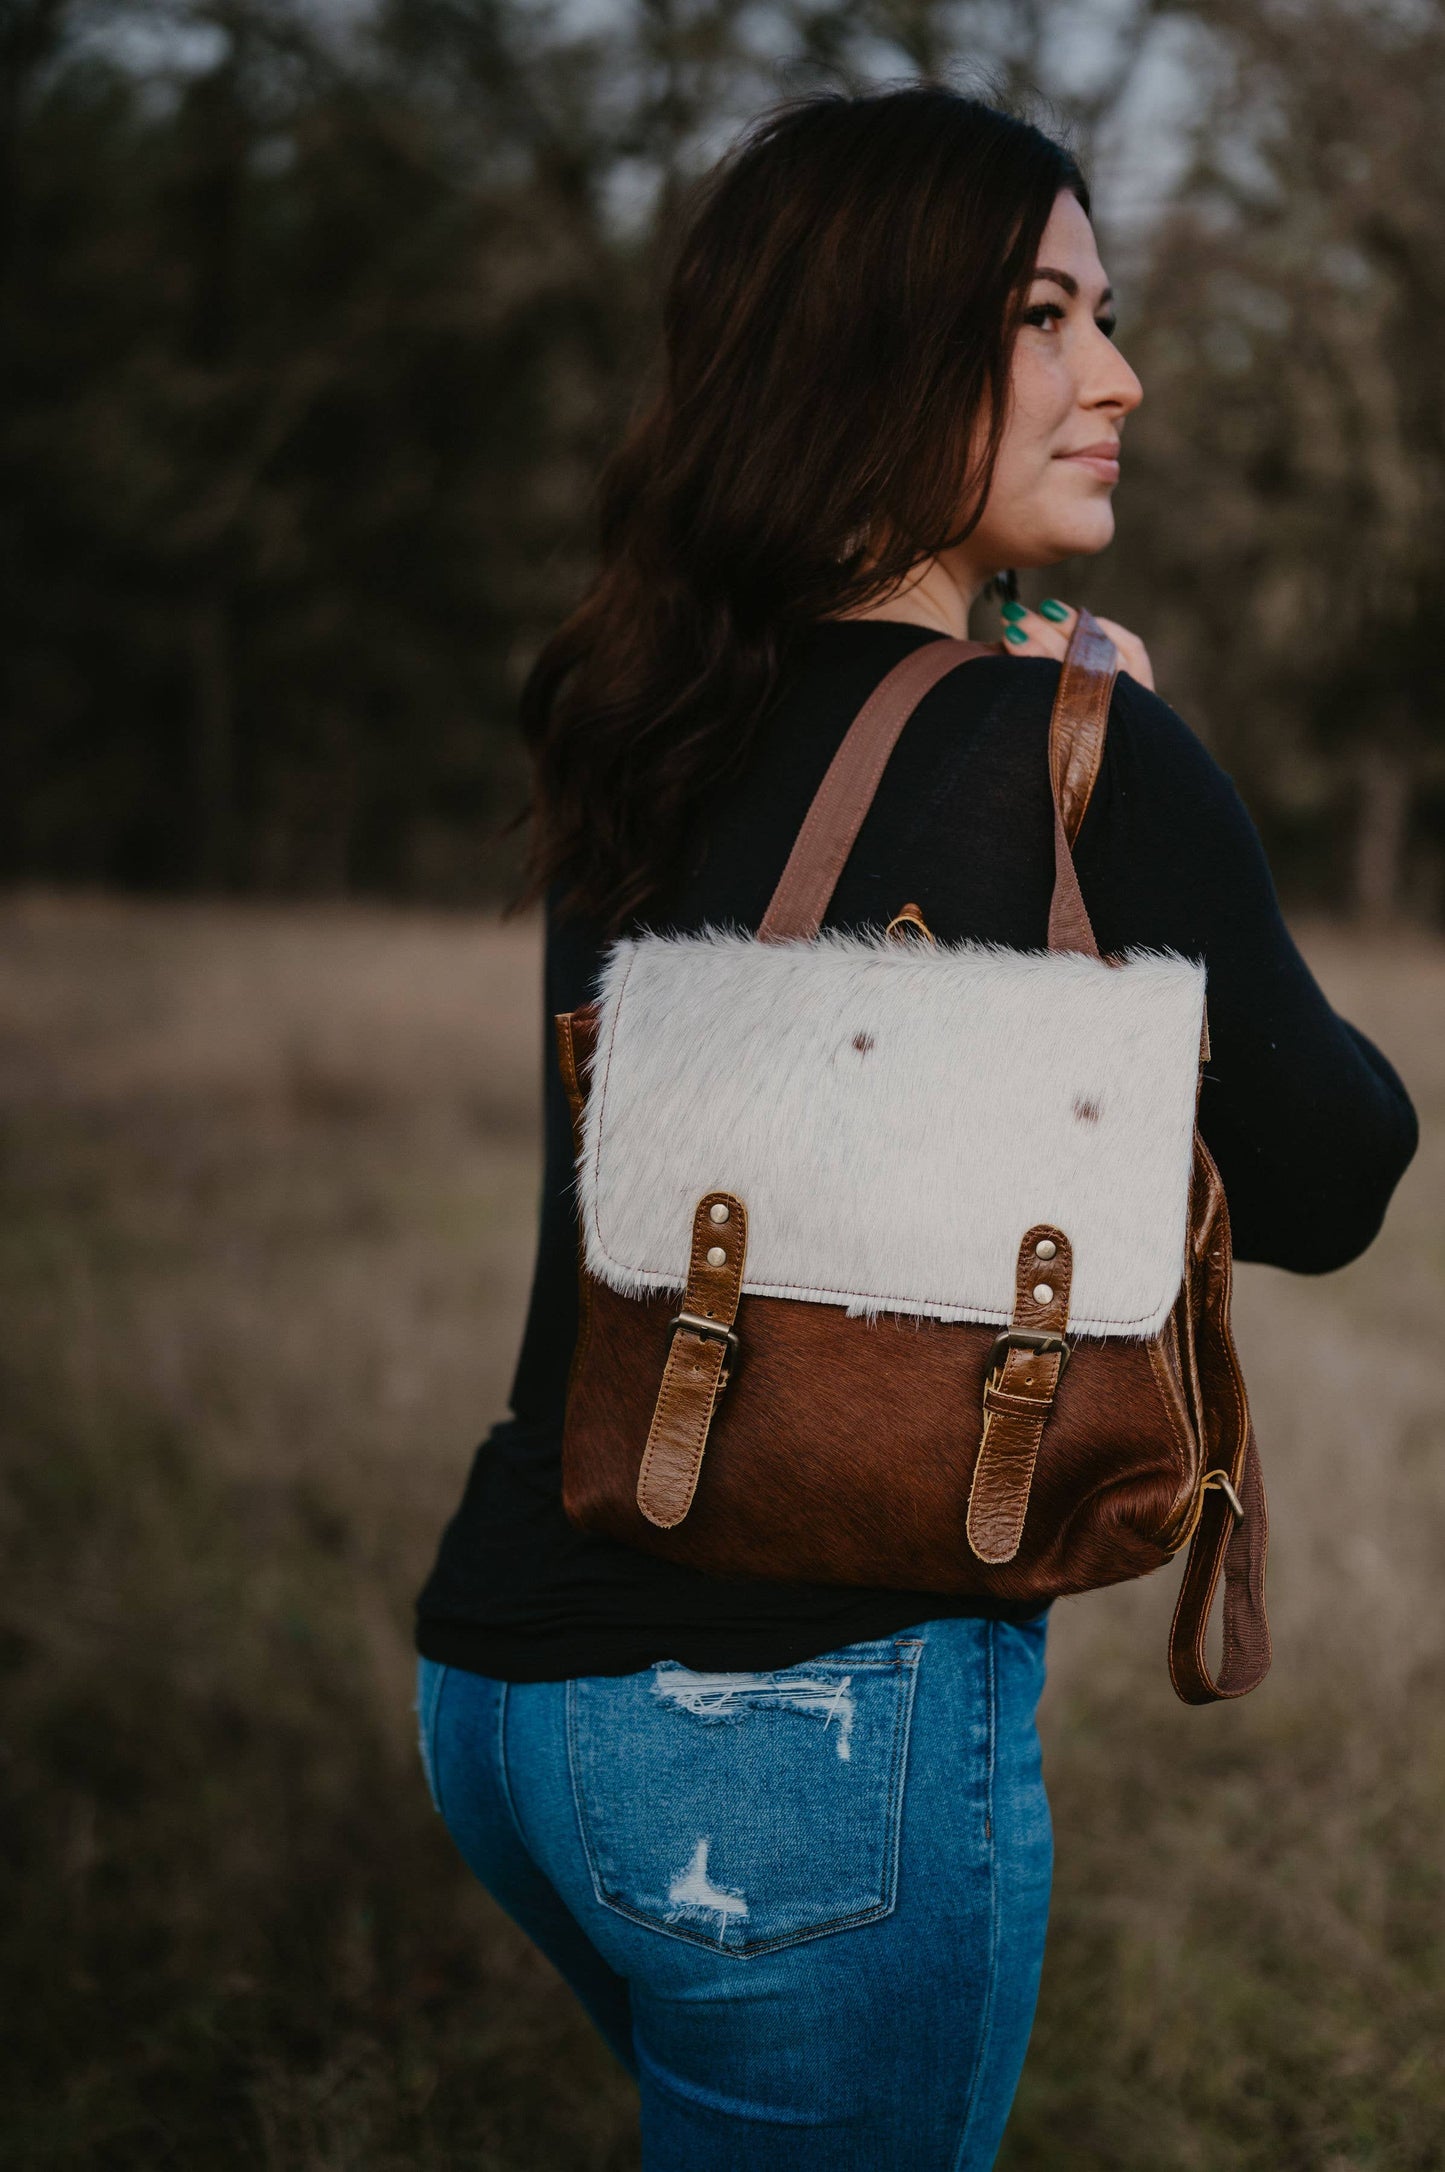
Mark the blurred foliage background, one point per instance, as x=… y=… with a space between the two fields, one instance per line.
x=317 y=317
x=316 y=320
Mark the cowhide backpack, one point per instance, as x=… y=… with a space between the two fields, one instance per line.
x=903 y=1263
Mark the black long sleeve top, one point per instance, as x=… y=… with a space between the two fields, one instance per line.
x=1308 y=1123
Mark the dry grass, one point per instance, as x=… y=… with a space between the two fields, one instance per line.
x=269 y=1183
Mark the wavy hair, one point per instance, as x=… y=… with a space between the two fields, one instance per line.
x=837 y=329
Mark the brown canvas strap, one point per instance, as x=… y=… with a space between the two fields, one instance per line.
x=1077 y=730
x=833 y=821
x=698 y=1360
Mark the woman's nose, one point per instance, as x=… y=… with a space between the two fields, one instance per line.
x=1111 y=383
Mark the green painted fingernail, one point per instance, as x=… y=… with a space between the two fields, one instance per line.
x=1014 y=633
x=1052 y=608
x=1015 y=610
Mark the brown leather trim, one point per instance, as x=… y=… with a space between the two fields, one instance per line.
x=1236 y=1548
x=1239 y=1548
x=831 y=825
x=1166 y=1364
x=576 y=1038
x=1086 y=688
x=698 y=1358
x=1077 y=731
x=1018 y=1397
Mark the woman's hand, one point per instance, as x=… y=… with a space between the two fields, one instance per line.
x=1046 y=632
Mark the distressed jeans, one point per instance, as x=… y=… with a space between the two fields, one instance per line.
x=805 y=1908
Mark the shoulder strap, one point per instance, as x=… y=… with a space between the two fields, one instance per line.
x=831 y=825
x=1077 y=731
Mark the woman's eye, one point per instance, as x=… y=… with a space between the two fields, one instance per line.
x=1042 y=312
x=1107 y=325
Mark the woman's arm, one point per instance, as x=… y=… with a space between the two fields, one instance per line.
x=1310 y=1126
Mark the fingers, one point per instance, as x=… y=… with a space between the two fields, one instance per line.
x=1044 y=632
x=1133 y=656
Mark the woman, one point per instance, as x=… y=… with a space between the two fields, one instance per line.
x=889 y=375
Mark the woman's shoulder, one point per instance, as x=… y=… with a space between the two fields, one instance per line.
x=1164 y=812
x=1021 y=690
x=1146 y=723
x=1003 y=705
x=1156 y=767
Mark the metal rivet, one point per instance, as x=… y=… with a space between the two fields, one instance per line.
x=718 y=1211
x=1044 y=1249
x=1043 y=1294
x=717 y=1257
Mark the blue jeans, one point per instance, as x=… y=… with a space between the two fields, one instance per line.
x=806 y=1909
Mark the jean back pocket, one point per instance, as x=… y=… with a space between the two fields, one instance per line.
x=746 y=1811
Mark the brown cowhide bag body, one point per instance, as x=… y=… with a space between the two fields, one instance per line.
x=1008 y=1370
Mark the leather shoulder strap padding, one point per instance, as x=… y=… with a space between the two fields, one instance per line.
x=1018 y=1394
x=1077 y=731
x=697 y=1360
x=831 y=825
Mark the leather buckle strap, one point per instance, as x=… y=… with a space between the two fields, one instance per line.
x=1027 y=1338
x=1025 y=1367
x=708 y=1330
x=700 y=1348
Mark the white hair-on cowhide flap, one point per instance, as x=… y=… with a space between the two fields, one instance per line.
x=894 y=1117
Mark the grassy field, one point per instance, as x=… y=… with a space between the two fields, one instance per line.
x=269 y=1181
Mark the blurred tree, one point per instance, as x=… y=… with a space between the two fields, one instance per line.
x=312 y=366
x=314 y=330
x=1287 y=533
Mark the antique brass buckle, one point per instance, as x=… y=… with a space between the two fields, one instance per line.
x=1042 y=1340
x=710 y=1331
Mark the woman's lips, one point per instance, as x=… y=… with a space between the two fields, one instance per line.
x=1101 y=460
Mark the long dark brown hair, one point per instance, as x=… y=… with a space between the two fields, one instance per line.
x=837 y=334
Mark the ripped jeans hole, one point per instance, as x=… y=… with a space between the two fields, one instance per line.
x=732 y=1697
